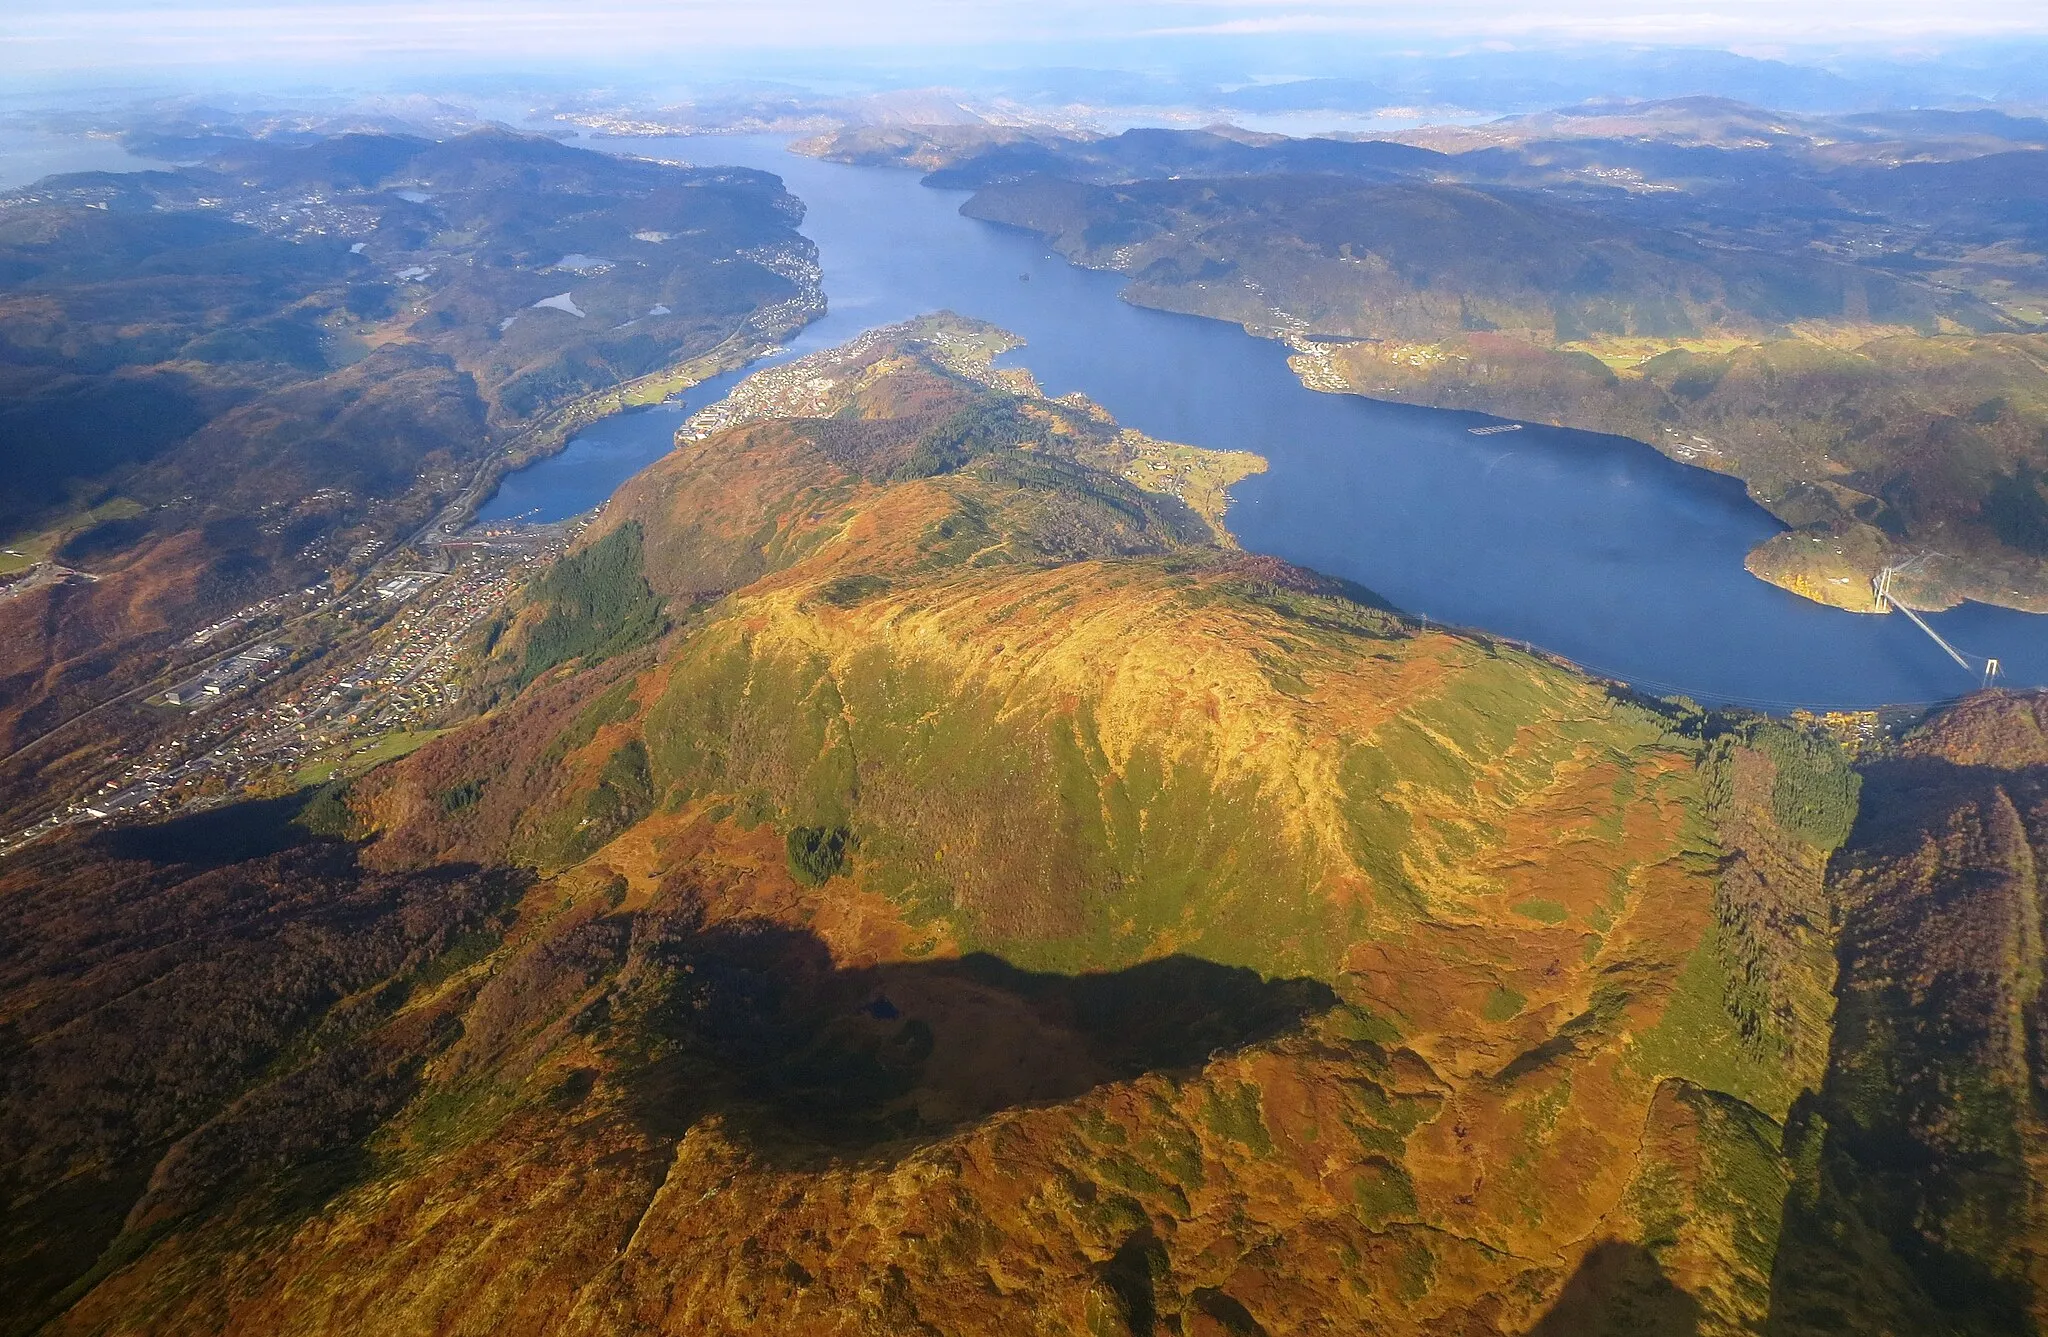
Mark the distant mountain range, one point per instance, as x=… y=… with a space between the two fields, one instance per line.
x=1337 y=76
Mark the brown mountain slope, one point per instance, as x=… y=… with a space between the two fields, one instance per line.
x=990 y=905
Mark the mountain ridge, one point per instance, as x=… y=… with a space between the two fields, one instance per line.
x=945 y=888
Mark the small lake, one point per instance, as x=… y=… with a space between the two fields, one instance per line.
x=1593 y=547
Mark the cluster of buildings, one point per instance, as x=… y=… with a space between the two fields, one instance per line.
x=231 y=674
x=406 y=584
x=403 y=679
x=275 y=604
x=407 y=678
x=798 y=389
x=1859 y=732
x=314 y=215
x=403 y=676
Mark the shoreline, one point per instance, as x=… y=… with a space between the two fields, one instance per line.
x=552 y=434
x=1939 y=581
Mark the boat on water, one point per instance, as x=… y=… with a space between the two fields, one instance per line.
x=1496 y=429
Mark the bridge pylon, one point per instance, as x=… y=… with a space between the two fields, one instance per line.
x=1881 y=587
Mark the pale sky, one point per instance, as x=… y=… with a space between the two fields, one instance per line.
x=48 y=35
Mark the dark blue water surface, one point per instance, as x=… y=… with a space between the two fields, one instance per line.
x=1592 y=547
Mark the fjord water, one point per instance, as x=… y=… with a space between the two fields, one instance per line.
x=1592 y=547
x=28 y=155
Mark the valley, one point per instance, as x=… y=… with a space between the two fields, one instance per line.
x=267 y=372
x=338 y=688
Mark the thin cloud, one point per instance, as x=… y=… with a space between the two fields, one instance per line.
x=1743 y=21
x=100 y=34
x=114 y=34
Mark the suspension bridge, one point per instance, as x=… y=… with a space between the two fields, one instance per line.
x=1881 y=585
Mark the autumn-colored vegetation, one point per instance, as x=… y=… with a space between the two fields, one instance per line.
x=991 y=905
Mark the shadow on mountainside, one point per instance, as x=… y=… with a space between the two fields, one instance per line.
x=1619 y=1291
x=216 y=837
x=212 y=1019
x=1917 y=1210
x=806 y=1059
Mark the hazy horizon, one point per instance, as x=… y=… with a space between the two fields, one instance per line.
x=116 y=43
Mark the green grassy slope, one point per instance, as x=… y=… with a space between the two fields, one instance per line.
x=1003 y=909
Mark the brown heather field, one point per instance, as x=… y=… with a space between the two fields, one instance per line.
x=907 y=880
